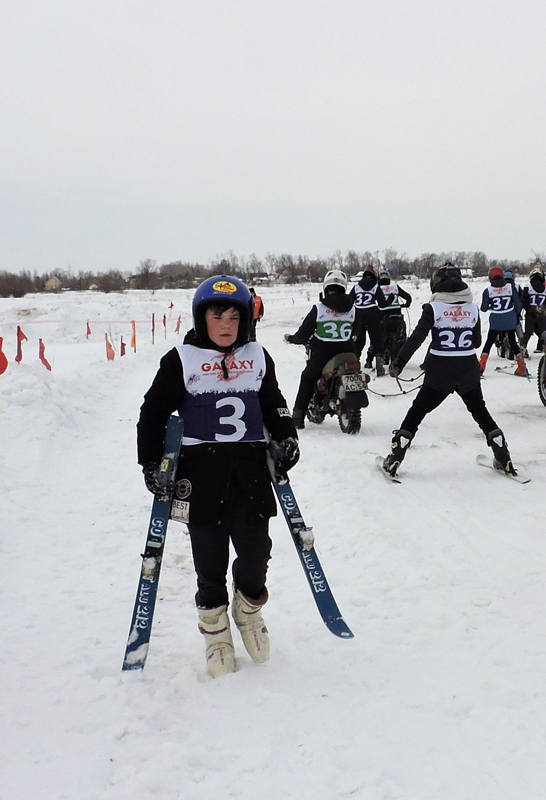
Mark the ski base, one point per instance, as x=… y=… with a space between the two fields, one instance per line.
x=487 y=461
x=138 y=641
x=324 y=599
x=379 y=463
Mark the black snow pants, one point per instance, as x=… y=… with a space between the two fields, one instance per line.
x=210 y=547
x=428 y=399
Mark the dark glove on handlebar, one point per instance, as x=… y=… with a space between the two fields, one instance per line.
x=286 y=454
x=288 y=338
x=394 y=369
x=151 y=479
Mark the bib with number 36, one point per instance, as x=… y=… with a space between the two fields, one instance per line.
x=452 y=334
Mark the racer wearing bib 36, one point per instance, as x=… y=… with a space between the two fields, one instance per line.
x=453 y=321
x=328 y=329
x=225 y=389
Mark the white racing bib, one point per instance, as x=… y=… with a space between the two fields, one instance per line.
x=452 y=334
x=217 y=408
x=333 y=326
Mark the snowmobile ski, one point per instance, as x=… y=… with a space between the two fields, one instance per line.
x=379 y=463
x=138 y=641
x=302 y=537
x=487 y=461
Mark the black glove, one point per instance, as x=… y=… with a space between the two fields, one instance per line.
x=288 y=338
x=394 y=369
x=151 y=479
x=286 y=454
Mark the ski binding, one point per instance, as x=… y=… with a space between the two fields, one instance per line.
x=379 y=463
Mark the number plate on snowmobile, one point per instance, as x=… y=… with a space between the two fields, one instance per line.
x=355 y=382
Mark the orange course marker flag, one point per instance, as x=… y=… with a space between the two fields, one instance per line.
x=133 y=336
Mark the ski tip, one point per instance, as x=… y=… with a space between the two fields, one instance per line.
x=339 y=627
x=135 y=658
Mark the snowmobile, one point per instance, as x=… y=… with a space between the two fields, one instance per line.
x=341 y=392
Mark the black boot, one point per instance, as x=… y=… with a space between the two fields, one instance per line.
x=399 y=445
x=379 y=368
x=299 y=418
x=501 y=455
x=368 y=364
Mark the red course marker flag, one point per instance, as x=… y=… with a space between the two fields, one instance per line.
x=20 y=338
x=41 y=355
x=178 y=321
x=122 y=348
x=3 y=359
x=88 y=333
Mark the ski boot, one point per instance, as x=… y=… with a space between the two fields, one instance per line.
x=399 y=445
x=214 y=625
x=483 y=362
x=368 y=364
x=501 y=455
x=299 y=418
x=379 y=368
x=247 y=615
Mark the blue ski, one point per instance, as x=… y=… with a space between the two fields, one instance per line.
x=143 y=612
x=303 y=539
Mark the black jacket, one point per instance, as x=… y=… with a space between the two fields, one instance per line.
x=461 y=373
x=210 y=468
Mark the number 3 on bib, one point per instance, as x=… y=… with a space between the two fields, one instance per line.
x=234 y=420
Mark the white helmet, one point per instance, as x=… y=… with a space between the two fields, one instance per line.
x=335 y=277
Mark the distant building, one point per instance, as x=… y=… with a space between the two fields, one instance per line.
x=259 y=278
x=53 y=284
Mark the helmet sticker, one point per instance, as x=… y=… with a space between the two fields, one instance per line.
x=225 y=287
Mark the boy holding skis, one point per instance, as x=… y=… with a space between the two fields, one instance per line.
x=225 y=389
x=453 y=321
x=328 y=329
x=502 y=300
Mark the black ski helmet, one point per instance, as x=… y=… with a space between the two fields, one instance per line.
x=448 y=270
x=225 y=290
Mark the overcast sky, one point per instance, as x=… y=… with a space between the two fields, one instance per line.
x=183 y=129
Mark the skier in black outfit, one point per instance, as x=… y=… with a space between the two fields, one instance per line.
x=451 y=365
x=368 y=299
x=394 y=330
x=328 y=329
x=534 y=304
x=225 y=389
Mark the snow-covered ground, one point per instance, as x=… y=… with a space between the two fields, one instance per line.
x=441 y=695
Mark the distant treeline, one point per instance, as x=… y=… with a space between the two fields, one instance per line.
x=286 y=268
